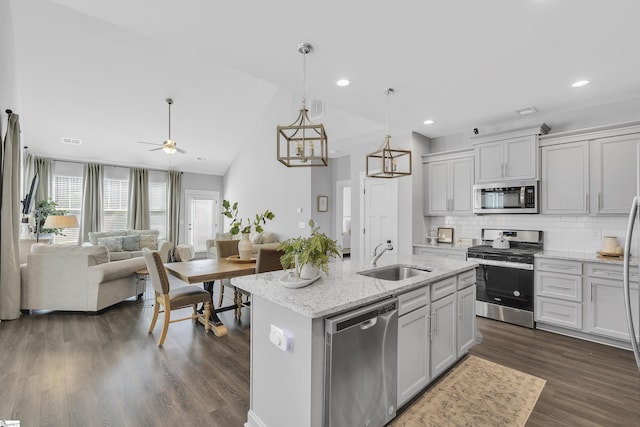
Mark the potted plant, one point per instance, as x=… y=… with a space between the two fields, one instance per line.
x=308 y=255
x=237 y=226
x=43 y=209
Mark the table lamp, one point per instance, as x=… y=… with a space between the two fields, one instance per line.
x=59 y=221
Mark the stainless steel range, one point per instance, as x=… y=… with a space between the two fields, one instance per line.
x=504 y=282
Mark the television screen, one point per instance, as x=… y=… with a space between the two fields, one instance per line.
x=29 y=198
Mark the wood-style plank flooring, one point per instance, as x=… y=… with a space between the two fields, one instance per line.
x=70 y=369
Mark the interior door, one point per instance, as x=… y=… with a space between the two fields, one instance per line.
x=201 y=217
x=380 y=214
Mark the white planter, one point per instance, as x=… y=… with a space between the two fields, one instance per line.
x=244 y=247
x=309 y=272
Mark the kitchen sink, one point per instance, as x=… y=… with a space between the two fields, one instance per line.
x=395 y=272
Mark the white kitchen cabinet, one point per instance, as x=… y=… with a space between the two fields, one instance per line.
x=565 y=179
x=613 y=172
x=505 y=160
x=448 y=183
x=558 y=296
x=466 y=335
x=413 y=353
x=441 y=251
x=443 y=334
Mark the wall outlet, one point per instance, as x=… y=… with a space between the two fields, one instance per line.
x=299 y=210
x=278 y=338
x=301 y=225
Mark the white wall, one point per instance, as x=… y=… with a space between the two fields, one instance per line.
x=323 y=184
x=9 y=96
x=257 y=181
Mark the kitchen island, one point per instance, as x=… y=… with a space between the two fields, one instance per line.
x=287 y=381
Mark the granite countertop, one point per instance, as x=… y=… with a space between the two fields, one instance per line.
x=452 y=246
x=583 y=256
x=344 y=289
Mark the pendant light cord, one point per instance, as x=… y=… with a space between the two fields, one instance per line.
x=388 y=94
x=169 y=120
x=304 y=80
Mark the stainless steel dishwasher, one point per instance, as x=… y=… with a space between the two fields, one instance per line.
x=360 y=366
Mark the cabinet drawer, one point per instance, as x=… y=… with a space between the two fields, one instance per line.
x=466 y=279
x=557 y=312
x=610 y=271
x=443 y=288
x=556 y=285
x=558 y=266
x=413 y=300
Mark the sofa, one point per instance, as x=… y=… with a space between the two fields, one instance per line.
x=125 y=244
x=76 y=278
x=265 y=239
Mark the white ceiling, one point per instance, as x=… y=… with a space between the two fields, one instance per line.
x=100 y=70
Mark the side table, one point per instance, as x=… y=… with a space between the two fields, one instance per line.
x=141 y=284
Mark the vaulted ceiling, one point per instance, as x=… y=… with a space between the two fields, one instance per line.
x=101 y=70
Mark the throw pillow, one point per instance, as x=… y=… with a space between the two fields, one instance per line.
x=131 y=243
x=268 y=237
x=256 y=238
x=148 y=241
x=113 y=244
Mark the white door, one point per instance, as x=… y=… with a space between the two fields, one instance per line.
x=379 y=213
x=201 y=217
x=343 y=215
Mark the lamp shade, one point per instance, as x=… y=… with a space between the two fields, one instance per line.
x=61 y=221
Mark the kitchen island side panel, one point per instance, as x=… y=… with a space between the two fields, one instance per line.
x=286 y=387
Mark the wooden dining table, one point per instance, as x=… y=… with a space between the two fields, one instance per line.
x=207 y=271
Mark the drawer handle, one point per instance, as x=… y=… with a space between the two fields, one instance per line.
x=559 y=287
x=561 y=267
x=558 y=314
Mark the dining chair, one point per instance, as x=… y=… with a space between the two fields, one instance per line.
x=172 y=294
x=225 y=248
x=268 y=260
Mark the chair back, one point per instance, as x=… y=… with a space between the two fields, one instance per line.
x=268 y=260
x=157 y=272
x=227 y=248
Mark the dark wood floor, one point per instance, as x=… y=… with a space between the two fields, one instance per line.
x=66 y=369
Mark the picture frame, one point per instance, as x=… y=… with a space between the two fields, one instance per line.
x=445 y=235
x=323 y=203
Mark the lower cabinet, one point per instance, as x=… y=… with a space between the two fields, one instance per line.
x=414 y=345
x=607 y=315
x=443 y=334
x=466 y=333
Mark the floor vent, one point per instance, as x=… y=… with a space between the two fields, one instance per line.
x=72 y=141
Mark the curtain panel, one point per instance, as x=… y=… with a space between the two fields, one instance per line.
x=43 y=166
x=174 y=193
x=92 y=200
x=10 y=221
x=138 y=214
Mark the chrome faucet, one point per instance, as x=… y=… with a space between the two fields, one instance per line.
x=375 y=256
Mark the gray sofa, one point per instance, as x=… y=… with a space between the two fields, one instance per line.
x=125 y=244
x=259 y=240
x=76 y=278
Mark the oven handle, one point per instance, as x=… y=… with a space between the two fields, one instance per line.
x=506 y=264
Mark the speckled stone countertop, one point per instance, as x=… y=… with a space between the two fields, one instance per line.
x=344 y=289
x=451 y=246
x=583 y=257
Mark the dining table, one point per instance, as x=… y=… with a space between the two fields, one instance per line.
x=207 y=271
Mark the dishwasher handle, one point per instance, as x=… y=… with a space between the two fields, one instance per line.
x=368 y=324
x=363 y=317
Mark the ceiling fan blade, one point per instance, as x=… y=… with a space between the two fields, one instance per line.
x=180 y=150
x=156 y=149
x=148 y=143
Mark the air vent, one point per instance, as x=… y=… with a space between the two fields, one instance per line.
x=316 y=109
x=526 y=110
x=72 y=141
x=201 y=159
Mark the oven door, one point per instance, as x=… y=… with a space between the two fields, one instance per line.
x=505 y=285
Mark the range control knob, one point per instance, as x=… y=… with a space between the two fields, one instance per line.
x=516 y=293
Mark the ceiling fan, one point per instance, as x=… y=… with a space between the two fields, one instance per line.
x=169 y=146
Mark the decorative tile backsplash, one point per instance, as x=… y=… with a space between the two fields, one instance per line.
x=571 y=233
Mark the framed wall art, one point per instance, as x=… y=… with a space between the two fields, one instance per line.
x=445 y=235
x=323 y=203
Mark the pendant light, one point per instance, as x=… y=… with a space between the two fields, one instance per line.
x=303 y=143
x=388 y=162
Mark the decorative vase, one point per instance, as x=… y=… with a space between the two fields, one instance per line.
x=308 y=271
x=245 y=246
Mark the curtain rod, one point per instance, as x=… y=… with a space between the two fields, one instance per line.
x=103 y=164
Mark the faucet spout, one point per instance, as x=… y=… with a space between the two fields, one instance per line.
x=376 y=256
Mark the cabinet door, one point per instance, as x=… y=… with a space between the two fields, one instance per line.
x=613 y=170
x=520 y=157
x=565 y=179
x=413 y=353
x=466 y=319
x=443 y=334
x=462 y=186
x=606 y=313
x=437 y=187
x=489 y=162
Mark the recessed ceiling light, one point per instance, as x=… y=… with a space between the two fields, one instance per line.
x=429 y=122
x=580 y=83
x=343 y=82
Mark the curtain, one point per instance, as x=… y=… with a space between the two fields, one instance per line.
x=10 y=221
x=44 y=168
x=138 y=213
x=91 y=200
x=173 y=205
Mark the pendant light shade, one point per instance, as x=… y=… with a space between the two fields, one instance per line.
x=303 y=143
x=389 y=162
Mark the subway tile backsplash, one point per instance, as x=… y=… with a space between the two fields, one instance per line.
x=572 y=233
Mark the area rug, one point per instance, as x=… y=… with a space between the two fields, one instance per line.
x=475 y=393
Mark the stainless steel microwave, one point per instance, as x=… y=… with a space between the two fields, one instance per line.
x=506 y=198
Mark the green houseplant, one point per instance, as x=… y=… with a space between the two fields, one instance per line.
x=314 y=250
x=43 y=209
x=231 y=212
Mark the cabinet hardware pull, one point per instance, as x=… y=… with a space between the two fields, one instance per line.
x=558 y=314
x=598 y=201
x=587 y=201
x=459 y=309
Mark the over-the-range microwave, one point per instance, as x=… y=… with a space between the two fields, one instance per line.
x=506 y=197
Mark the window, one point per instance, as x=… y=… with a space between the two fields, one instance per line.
x=67 y=193
x=115 y=193
x=158 y=202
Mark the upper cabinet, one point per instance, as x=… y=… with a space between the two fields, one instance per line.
x=508 y=156
x=448 y=184
x=589 y=172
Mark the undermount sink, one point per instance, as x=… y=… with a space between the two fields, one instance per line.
x=395 y=272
